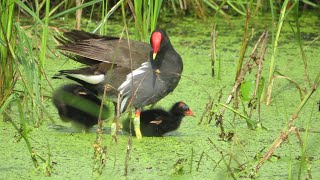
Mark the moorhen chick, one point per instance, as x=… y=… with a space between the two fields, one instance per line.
x=157 y=122
x=140 y=73
x=79 y=105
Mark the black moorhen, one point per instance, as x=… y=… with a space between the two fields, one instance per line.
x=78 y=105
x=142 y=75
x=157 y=122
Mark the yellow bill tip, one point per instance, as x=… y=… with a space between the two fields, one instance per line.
x=154 y=56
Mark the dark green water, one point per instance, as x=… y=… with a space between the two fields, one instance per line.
x=151 y=158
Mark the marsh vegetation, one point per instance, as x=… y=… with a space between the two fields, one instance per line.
x=251 y=76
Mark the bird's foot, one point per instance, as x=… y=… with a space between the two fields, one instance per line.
x=114 y=130
x=136 y=123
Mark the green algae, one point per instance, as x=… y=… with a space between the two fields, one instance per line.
x=189 y=153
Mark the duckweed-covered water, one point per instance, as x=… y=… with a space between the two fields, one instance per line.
x=193 y=151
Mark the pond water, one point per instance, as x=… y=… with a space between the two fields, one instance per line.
x=188 y=152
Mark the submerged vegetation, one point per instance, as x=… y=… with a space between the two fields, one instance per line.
x=266 y=88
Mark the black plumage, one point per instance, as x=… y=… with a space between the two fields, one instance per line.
x=79 y=105
x=108 y=62
x=157 y=122
x=141 y=73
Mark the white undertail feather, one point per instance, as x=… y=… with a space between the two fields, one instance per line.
x=91 y=79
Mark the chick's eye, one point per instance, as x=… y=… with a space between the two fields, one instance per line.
x=185 y=107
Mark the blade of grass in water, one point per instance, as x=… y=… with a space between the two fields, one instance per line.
x=155 y=15
x=74 y=9
x=29 y=71
x=100 y=24
x=104 y=13
x=236 y=8
x=145 y=15
x=7 y=69
x=28 y=63
x=274 y=48
x=217 y=8
x=29 y=11
x=6 y=103
x=243 y=44
x=298 y=36
x=45 y=34
x=138 y=19
x=304 y=147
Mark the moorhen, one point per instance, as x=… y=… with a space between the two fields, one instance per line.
x=157 y=122
x=79 y=105
x=142 y=75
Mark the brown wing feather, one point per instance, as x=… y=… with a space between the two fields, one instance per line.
x=91 y=47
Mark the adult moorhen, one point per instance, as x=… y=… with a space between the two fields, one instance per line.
x=141 y=74
x=157 y=122
x=79 y=105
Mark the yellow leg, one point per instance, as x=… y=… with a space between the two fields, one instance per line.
x=115 y=127
x=136 y=123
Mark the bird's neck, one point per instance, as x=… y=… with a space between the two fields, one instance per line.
x=175 y=120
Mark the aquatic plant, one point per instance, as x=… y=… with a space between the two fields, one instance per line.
x=8 y=72
x=145 y=14
x=20 y=61
x=25 y=51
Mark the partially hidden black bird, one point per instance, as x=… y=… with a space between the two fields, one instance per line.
x=157 y=122
x=78 y=105
x=140 y=73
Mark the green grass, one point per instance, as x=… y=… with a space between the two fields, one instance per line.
x=145 y=14
x=275 y=42
x=24 y=84
x=8 y=69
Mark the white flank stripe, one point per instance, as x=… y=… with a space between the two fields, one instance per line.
x=123 y=103
x=142 y=69
x=91 y=79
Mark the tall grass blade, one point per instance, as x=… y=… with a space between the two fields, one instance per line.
x=299 y=40
x=74 y=9
x=274 y=50
x=243 y=44
x=145 y=14
x=155 y=14
x=216 y=7
x=104 y=20
x=30 y=72
x=44 y=38
x=7 y=69
x=29 y=11
x=234 y=7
